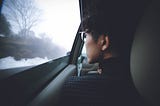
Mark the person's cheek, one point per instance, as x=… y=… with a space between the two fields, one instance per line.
x=88 y=49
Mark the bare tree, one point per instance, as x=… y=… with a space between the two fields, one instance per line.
x=4 y=26
x=22 y=14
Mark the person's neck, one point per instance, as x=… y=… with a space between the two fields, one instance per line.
x=108 y=56
x=114 y=65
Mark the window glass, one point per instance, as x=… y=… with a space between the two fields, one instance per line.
x=35 y=31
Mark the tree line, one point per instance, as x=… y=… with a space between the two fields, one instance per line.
x=22 y=16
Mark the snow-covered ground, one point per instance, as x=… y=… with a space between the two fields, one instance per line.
x=10 y=62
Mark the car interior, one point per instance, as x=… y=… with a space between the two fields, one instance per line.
x=41 y=85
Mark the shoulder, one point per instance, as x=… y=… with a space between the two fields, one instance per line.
x=97 y=89
x=87 y=79
x=89 y=85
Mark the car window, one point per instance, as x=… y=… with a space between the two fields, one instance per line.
x=36 y=31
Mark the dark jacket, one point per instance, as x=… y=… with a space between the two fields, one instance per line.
x=113 y=87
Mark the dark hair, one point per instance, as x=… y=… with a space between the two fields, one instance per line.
x=96 y=25
x=113 y=27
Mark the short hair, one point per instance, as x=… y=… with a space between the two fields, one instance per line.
x=97 y=25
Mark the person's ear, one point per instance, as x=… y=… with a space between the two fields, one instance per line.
x=105 y=43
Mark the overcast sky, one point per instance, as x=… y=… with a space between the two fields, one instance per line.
x=60 y=20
